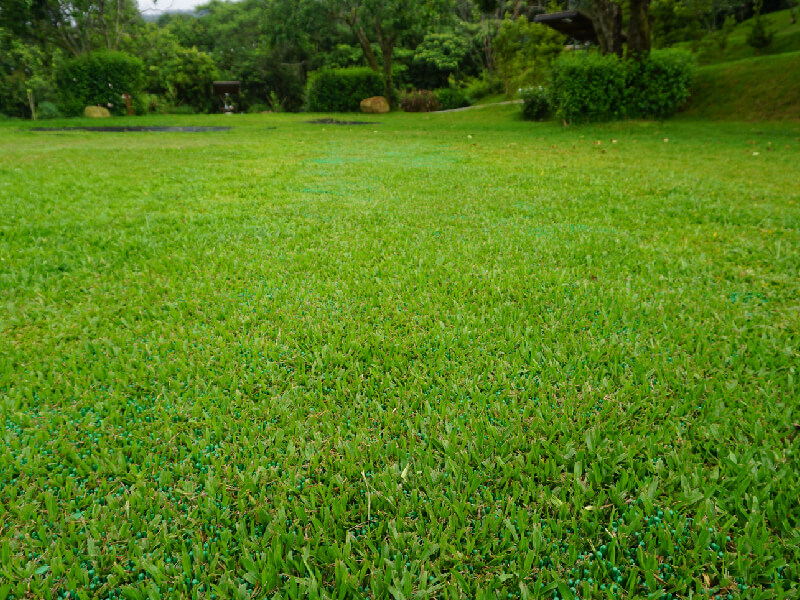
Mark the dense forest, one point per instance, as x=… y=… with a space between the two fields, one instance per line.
x=474 y=48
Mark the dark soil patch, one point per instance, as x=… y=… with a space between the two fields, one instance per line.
x=337 y=122
x=125 y=129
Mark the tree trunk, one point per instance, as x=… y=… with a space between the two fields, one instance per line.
x=639 y=30
x=366 y=47
x=607 y=19
x=388 y=84
x=363 y=40
x=387 y=48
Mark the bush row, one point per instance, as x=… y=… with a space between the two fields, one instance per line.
x=342 y=90
x=586 y=86
x=99 y=78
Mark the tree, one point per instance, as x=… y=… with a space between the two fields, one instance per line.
x=607 y=17
x=759 y=37
x=523 y=52
x=387 y=22
x=181 y=75
x=440 y=56
x=80 y=26
x=24 y=69
x=639 y=43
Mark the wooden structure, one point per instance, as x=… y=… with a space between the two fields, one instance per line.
x=225 y=90
x=572 y=23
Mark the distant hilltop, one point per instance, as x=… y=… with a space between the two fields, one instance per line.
x=154 y=14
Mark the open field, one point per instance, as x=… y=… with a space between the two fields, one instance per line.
x=443 y=356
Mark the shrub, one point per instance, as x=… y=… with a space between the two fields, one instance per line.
x=419 y=101
x=524 y=52
x=659 y=86
x=148 y=103
x=182 y=75
x=536 y=104
x=342 y=90
x=24 y=68
x=450 y=98
x=439 y=56
x=259 y=108
x=760 y=37
x=47 y=110
x=99 y=78
x=590 y=87
x=478 y=88
x=181 y=109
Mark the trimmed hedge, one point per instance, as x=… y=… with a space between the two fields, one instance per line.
x=342 y=90
x=99 y=78
x=450 y=98
x=660 y=85
x=586 y=86
x=589 y=87
x=536 y=104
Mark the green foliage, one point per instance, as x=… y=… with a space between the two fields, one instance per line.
x=455 y=357
x=148 y=103
x=698 y=21
x=343 y=56
x=717 y=47
x=760 y=36
x=180 y=109
x=47 y=110
x=341 y=90
x=586 y=86
x=99 y=78
x=477 y=88
x=659 y=86
x=524 y=52
x=419 y=101
x=536 y=104
x=589 y=87
x=24 y=67
x=438 y=57
x=178 y=74
x=386 y=23
x=450 y=98
x=259 y=108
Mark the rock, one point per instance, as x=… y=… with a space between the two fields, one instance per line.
x=96 y=112
x=375 y=105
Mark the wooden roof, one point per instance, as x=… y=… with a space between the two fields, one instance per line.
x=226 y=87
x=572 y=23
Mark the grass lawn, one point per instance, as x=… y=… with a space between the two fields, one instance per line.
x=444 y=356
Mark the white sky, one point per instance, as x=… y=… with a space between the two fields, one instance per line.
x=162 y=5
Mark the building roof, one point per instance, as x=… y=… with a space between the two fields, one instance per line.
x=572 y=23
x=226 y=87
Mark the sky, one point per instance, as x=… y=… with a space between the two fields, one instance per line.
x=161 y=5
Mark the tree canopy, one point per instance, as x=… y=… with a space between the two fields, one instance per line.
x=475 y=46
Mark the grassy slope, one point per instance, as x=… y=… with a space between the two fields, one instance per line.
x=787 y=39
x=738 y=85
x=767 y=87
x=448 y=355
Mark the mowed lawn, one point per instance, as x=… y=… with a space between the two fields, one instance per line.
x=441 y=356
